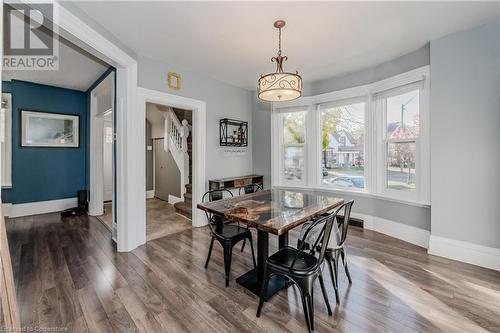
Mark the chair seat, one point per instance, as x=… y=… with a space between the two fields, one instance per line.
x=284 y=258
x=232 y=231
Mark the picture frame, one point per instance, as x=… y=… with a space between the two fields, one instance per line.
x=49 y=129
x=174 y=81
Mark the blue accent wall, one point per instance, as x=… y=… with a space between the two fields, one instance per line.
x=40 y=174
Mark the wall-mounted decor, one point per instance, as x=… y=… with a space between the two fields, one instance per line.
x=46 y=129
x=233 y=133
x=174 y=80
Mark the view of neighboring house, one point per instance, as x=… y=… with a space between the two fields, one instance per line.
x=343 y=150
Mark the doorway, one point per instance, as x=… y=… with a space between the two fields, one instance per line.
x=102 y=156
x=168 y=170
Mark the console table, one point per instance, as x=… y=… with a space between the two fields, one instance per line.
x=235 y=182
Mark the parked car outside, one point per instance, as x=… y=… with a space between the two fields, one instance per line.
x=357 y=182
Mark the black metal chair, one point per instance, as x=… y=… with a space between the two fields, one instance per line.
x=302 y=268
x=335 y=247
x=228 y=235
x=248 y=189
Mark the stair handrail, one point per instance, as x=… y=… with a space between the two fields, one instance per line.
x=176 y=134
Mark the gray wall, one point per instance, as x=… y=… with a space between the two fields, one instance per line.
x=223 y=100
x=261 y=130
x=168 y=183
x=419 y=217
x=394 y=67
x=465 y=133
x=149 y=158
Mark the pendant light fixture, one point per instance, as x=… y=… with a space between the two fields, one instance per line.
x=279 y=86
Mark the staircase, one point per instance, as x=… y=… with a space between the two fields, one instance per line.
x=179 y=143
x=185 y=207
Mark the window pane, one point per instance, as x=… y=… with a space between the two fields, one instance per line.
x=294 y=127
x=294 y=163
x=401 y=165
x=343 y=147
x=403 y=116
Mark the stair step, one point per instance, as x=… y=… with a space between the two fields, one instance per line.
x=183 y=208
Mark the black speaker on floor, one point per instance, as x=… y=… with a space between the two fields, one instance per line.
x=82 y=205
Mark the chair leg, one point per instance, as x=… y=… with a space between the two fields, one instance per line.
x=209 y=252
x=306 y=309
x=243 y=246
x=333 y=275
x=344 y=261
x=325 y=296
x=310 y=304
x=253 y=253
x=263 y=291
x=228 y=249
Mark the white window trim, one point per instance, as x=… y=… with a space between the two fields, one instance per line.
x=374 y=173
x=6 y=178
x=279 y=153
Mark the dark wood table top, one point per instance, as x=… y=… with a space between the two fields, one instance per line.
x=274 y=211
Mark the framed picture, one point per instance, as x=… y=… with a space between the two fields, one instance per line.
x=46 y=129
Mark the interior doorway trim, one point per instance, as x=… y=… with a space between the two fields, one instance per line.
x=199 y=134
x=96 y=141
x=130 y=206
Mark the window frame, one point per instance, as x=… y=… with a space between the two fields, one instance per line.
x=283 y=146
x=339 y=103
x=375 y=161
x=6 y=176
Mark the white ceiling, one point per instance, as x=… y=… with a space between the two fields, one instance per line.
x=233 y=42
x=78 y=70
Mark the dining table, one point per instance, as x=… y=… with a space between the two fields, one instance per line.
x=276 y=212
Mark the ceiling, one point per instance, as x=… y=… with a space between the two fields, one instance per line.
x=233 y=42
x=78 y=69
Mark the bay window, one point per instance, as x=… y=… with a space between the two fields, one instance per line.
x=343 y=145
x=372 y=139
x=293 y=129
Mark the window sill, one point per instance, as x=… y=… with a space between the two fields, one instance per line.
x=360 y=193
x=7 y=187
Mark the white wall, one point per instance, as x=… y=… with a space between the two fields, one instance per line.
x=222 y=100
x=465 y=136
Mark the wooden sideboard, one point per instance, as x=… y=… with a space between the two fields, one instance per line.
x=235 y=182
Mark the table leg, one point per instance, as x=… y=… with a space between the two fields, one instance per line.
x=262 y=253
x=283 y=240
x=253 y=279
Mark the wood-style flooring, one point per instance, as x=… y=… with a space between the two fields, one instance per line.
x=161 y=219
x=69 y=275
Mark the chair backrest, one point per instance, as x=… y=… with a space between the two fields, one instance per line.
x=343 y=224
x=324 y=225
x=215 y=195
x=251 y=188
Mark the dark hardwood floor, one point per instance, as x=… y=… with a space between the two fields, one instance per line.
x=69 y=275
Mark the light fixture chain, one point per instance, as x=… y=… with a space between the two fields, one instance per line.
x=279 y=42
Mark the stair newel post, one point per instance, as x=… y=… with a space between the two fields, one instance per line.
x=185 y=134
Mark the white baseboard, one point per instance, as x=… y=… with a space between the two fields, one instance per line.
x=150 y=194
x=40 y=207
x=173 y=199
x=470 y=253
x=394 y=229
